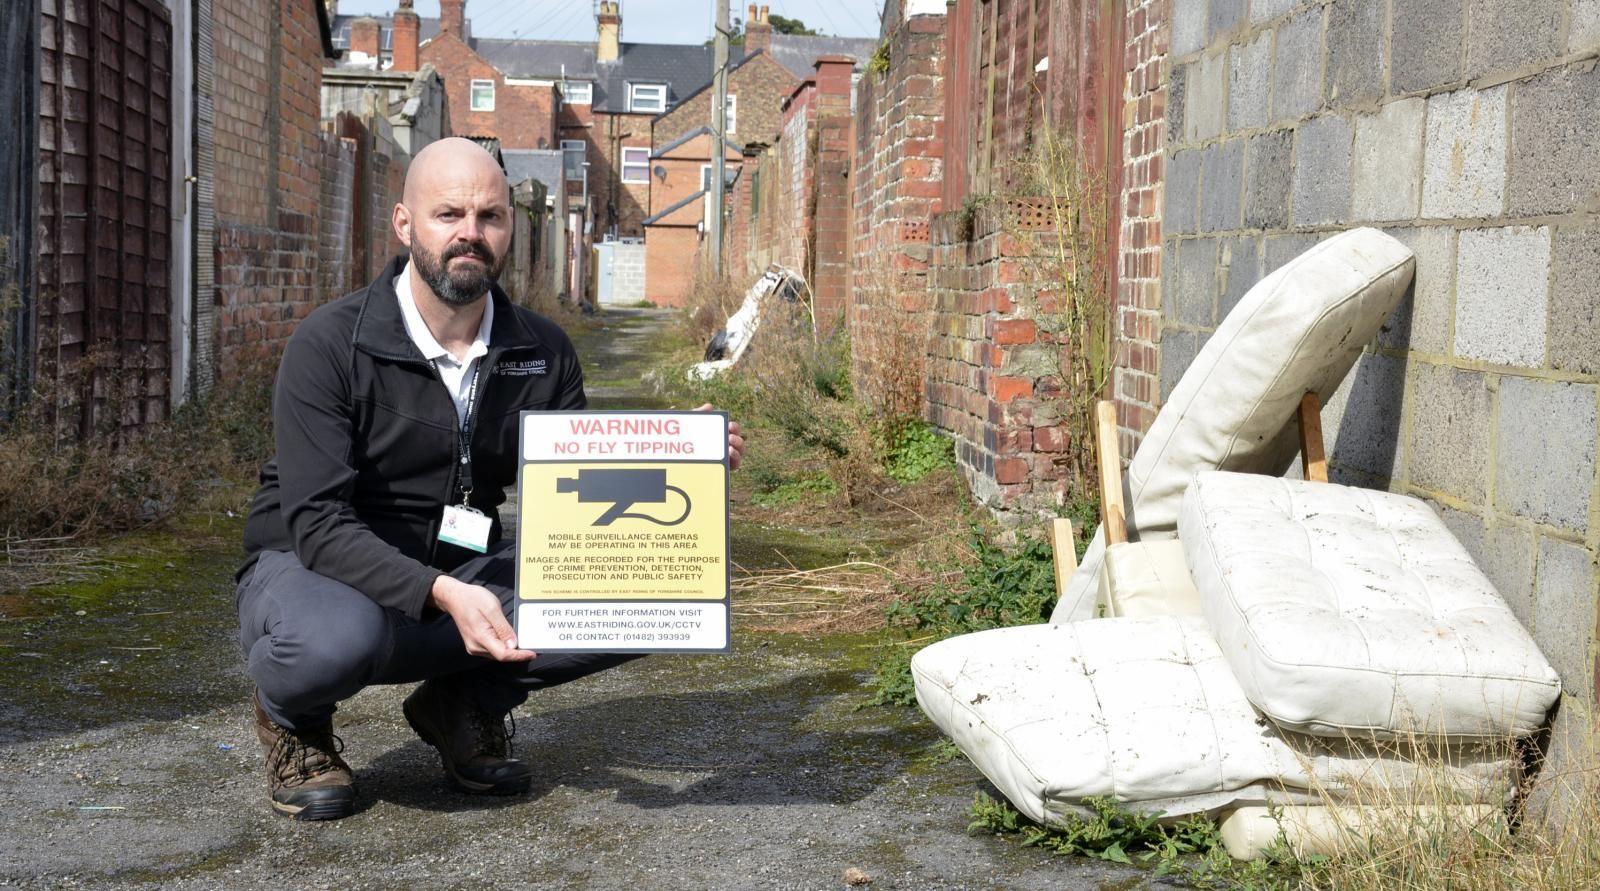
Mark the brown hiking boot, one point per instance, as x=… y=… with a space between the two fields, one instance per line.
x=306 y=778
x=475 y=746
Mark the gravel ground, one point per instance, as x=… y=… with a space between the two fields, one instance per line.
x=125 y=760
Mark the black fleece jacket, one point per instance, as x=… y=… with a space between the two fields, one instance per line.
x=366 y=437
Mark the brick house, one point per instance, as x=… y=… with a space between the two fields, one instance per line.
x=680 y=173
x=757 y=85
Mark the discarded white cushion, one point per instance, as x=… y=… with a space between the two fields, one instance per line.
x=1148 y=578
x=1299 y=329
x=1248 y=832
x=1343 y=609
x=1146 y=711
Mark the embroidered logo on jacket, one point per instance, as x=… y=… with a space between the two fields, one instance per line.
x=521 y=369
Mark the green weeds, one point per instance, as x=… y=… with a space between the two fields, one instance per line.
x=1190 y=848
x=995 y=588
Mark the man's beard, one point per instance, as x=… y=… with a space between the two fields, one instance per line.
x=461 y=286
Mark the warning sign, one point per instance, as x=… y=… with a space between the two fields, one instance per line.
x=622 y=545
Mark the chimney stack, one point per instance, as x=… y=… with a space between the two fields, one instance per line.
x=757 y=30
x=453 y=18
x=364 y=33
x=406 y=30
x=609 y=21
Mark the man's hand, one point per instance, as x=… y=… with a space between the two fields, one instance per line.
x=735 y=439
x=483 y=626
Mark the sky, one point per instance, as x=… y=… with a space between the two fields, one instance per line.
x=643 y=21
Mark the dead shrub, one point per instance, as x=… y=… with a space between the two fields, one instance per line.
x=893 y=369
x=712 y=299
x=58 y=484
x=1056 y=206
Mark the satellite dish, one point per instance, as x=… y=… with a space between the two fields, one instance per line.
x=660 y=172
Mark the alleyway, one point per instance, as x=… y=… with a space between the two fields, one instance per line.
x=125 y=760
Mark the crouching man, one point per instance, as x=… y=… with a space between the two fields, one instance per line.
x=395 y=405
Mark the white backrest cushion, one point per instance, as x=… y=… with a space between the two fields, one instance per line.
x=1347 y=610
x=1299 y=329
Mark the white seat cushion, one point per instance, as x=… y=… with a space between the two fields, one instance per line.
x=1299 y=329
x=1329 y=830
x=1146 y=711
x=1148 y=578
x=1351 y=610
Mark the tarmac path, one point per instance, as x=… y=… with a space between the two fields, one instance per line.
x=125 y=758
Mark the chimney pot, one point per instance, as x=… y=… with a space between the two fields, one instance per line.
x=757 y=31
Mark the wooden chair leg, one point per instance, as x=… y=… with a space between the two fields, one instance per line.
x=1113 y=514
x=1314 y=463
x=1063 y=549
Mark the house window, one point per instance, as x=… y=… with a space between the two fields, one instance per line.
x=387 y=42
x=341 y=40
x=578 y=92
x=635 y=165
x=733 y=111
x=483 y=95
x=650 y=98
x=572 y=154
x=705 y=176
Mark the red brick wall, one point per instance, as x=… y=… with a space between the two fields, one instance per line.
x=996 y=361
x=899 y=168
x=791 y=221
x=302 y=214
x=736 y=260
x=1136 y=384
x=619 y=204
x=268 y=171
x=830 y=272
x=671 y=254
x=524 y=117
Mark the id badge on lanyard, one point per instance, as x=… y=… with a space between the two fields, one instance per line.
x=464 y=525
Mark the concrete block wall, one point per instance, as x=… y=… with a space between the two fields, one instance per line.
x=1467 y=130
x=628 y=272
x=897 y=180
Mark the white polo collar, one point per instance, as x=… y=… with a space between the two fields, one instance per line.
x=426 y=343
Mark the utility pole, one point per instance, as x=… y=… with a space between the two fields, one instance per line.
x=719 y=132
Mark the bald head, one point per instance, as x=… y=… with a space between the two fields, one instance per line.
x=451 y=161
x=455 y=216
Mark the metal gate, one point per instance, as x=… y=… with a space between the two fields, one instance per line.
x=605 y=259
x=103 y=353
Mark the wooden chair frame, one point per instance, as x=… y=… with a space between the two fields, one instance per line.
x=1113 y=511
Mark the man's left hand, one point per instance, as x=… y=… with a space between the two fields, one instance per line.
x=735 y=439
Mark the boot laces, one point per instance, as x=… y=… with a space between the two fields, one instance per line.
x=300 y=757
x=494 y=732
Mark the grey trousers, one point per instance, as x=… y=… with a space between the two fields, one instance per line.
x=311 y=642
